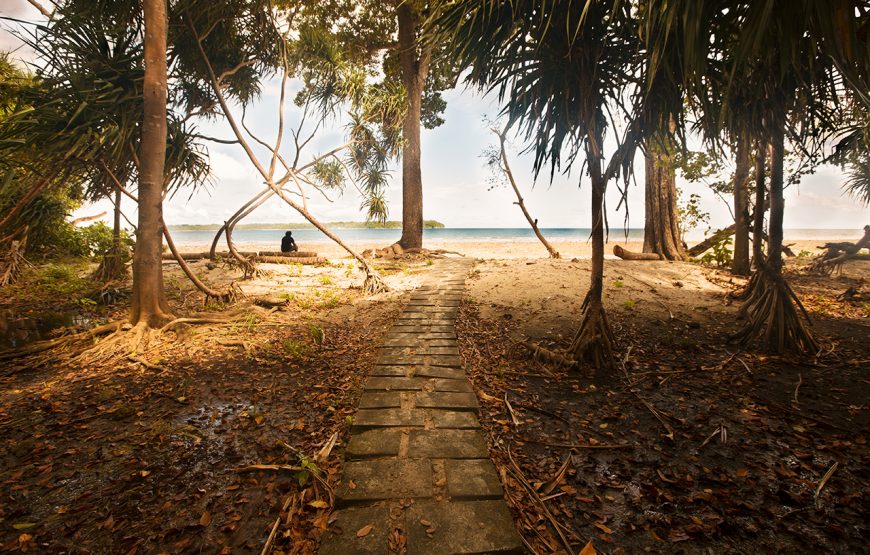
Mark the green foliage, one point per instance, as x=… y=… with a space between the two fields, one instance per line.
x=294 y=349
x=691 y=213
x=719 y=254
x=317 y=334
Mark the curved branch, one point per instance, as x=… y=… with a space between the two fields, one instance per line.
x=209 y=292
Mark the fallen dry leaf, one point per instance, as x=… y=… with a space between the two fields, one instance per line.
x=365 y=530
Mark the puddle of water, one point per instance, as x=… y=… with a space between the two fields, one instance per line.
x=17 y=331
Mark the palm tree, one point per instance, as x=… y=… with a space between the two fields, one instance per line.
x=558 y=67
x=790 y=62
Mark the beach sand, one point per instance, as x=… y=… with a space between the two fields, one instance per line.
x=489 y=249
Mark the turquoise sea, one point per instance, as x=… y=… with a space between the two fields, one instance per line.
x=467 y=234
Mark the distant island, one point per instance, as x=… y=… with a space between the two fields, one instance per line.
x=428 y=224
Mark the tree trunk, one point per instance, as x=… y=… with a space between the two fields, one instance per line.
x=414 y=71
x=594 y=340
x=774 y=314
x=661 y=233
x=116 y=224
x=758 y=220
x=777 y=203
x=740 y=263
x=149 y=302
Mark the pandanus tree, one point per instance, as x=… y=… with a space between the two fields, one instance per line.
x=793 y=61
x=558 y=68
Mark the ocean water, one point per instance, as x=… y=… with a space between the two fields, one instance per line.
x=463 y=234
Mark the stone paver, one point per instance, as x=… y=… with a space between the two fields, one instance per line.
x=417 y=463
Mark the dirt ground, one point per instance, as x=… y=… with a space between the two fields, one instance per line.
x=148 y=453
x=691 y=447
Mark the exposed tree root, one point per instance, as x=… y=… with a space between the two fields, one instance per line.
x=80 y=340
x=771 y=312
x=374 y=284
x=547 y=355
x=395 y=251
x=12 y=261
x=594 y=340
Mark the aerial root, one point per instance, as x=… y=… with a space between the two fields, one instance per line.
x=594 y=340
x=775 y=316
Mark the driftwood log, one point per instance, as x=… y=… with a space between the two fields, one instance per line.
x=205 y=255
x=630 y=255
x=292 y=259
x=721 y=235
x=837 y=253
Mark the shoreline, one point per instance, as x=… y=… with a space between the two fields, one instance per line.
x=487 y=249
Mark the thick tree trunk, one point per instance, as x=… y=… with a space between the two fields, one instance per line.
x=760 y=193
x=740 y=263
x=149 y=303
x=661 y=234
x=414 y=71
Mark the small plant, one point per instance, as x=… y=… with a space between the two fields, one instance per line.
x=295 y=349
x=719 y=254
x=430 y=262
x=317 y=334
x=348 y=420
x=804 y=254
x=617 y=283
x=330 y=302
x=287 y=295
x=629 y=304
x=325 y=280
x=309 y=468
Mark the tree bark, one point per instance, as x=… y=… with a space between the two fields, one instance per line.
x=777 y=202
x=740 y=263
x=758 y=219
x=414 y=71
x=149 y=302
x=594 y=340
x=661 y=233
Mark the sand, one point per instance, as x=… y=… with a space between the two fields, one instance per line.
x=487 y=249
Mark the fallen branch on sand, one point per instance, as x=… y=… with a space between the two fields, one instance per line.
x=837 y=253
x=626 y=254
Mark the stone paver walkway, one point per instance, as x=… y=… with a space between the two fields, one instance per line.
x=417 y=466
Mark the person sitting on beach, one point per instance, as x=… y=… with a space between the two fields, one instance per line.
x=288 y=244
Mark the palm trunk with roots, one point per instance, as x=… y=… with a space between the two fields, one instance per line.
x=149 y=306
x=774 y=315
x=594 y=341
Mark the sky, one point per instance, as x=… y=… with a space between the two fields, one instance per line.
x=457 y=186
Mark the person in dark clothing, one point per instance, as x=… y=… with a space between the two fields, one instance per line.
x=288 y=244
